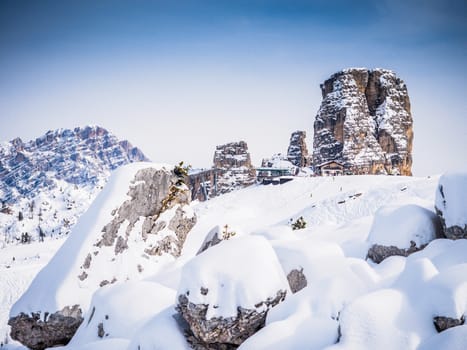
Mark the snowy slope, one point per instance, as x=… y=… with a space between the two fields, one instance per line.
x=347 y=298
x=59 y=284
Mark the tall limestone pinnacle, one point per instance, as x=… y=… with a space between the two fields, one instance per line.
x=365 y=123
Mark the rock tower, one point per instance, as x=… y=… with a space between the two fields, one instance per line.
x=365 y=123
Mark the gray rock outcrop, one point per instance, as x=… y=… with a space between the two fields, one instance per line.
x=451 y=204
x=213 y=238
x=378 y=252
x=223 y=333
x=39 y=333
x=442 y=323
x=297 y=152
x=365 y=123
x=297 y=280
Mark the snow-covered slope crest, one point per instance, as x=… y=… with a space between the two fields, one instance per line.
x=136 y=224
x=47 y=183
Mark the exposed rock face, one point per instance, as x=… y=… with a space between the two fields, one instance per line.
x=297 y=153
x=152 y=193
x=55 y=329
x=232 y=169
x=442 y=323
x=213 y=238
x=450 y=205
x=365 y=123
x=378 y=253
x=200 y=184
x=123 y=242
x=297 y=280
x=53 y=179
x=219 y=332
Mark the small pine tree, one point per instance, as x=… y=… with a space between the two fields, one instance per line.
x=299 y=224
x=226 y=234
x=181 y=172
x=20 y=216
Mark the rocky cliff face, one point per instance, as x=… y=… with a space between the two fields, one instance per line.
x=365 y=123
x=297 y=152
x=46 y=183
x=231 y=170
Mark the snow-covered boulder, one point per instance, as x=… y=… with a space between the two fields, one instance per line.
x=401 y=230
x=137 y=223
x=226 y=292
x=451 y=204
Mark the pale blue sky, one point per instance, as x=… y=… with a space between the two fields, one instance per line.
x=176 y=78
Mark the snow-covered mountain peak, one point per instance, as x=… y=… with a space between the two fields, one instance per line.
x=47 y=182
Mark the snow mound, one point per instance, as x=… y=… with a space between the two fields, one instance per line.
x=238 y=272
x=161 y=332
x=452 y=339
x=384 y=319
x=110 y=317
x=400 y=225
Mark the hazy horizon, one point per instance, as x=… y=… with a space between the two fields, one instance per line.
x=178 y=78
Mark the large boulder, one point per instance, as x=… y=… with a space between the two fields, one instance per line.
x=137 y=223
x=226 y=292
x=52 y=329
x=451 y=204
x=401 y=230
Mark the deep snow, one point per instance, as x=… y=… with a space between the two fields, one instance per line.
x=364 y=305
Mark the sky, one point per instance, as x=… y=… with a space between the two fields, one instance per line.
x=177 y=78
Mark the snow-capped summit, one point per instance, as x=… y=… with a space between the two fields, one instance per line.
x=46 y=183
x=78 y=156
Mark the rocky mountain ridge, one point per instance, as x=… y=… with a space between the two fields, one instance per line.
x=46 y=183
x=78 y=156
